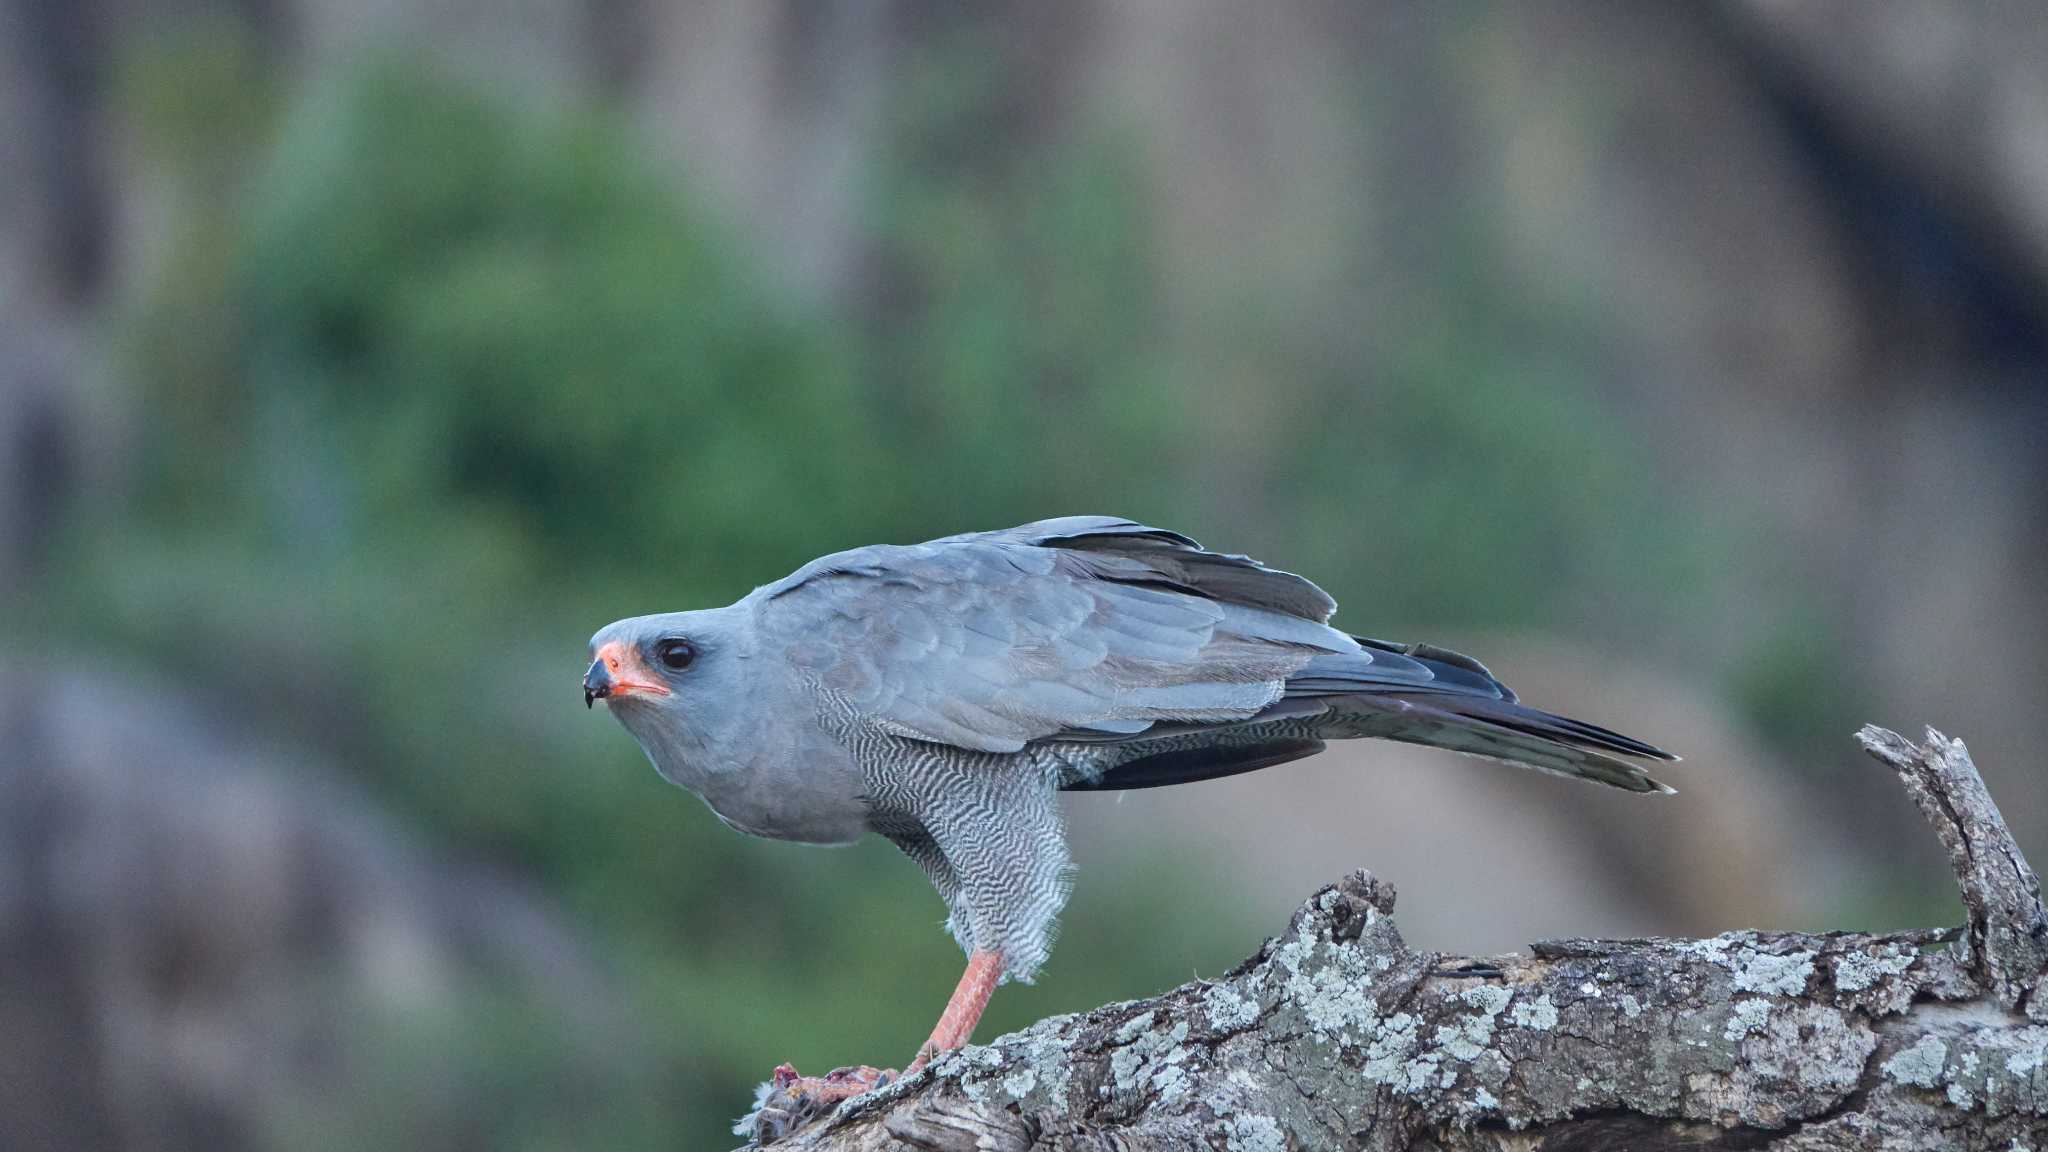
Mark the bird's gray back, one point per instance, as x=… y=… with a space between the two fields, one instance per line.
x=1088 y=628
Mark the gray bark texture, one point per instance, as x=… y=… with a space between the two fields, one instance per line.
x=1337 y=1035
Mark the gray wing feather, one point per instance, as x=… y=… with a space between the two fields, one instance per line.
x=1084 y=626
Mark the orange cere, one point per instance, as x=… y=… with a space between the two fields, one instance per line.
x=629 y=673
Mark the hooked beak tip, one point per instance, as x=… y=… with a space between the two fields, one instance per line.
x=597 y=683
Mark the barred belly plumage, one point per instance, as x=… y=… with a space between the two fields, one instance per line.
x=984 y=826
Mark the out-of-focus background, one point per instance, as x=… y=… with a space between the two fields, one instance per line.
x=358 y=360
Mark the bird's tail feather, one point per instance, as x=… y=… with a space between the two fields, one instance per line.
x=1497 y=730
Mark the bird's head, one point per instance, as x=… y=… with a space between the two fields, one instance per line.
x=669 y=679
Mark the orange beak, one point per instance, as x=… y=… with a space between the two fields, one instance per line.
x=619 y=671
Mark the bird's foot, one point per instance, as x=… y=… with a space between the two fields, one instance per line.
x=789 y=1101
x=834 y=1086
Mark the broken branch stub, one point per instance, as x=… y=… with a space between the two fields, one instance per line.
x=2007 y=934
x=1337 y=1035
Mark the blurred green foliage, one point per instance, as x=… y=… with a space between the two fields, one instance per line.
x=432 y=389
x=443 y=390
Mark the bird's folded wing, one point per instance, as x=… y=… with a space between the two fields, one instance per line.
x=1087 y=627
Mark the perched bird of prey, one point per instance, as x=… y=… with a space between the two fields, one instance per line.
x=943 y=694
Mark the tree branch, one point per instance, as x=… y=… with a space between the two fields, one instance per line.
x=1337 y=1035
x=2006 y=940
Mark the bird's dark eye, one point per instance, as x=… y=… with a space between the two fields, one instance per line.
x=675 y=655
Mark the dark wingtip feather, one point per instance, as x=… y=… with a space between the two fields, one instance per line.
x=1604 y=737
x=1177 y=561
x=1565 y=730
x=1450 y=668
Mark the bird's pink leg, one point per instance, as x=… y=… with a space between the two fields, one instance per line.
x=963 y=1011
